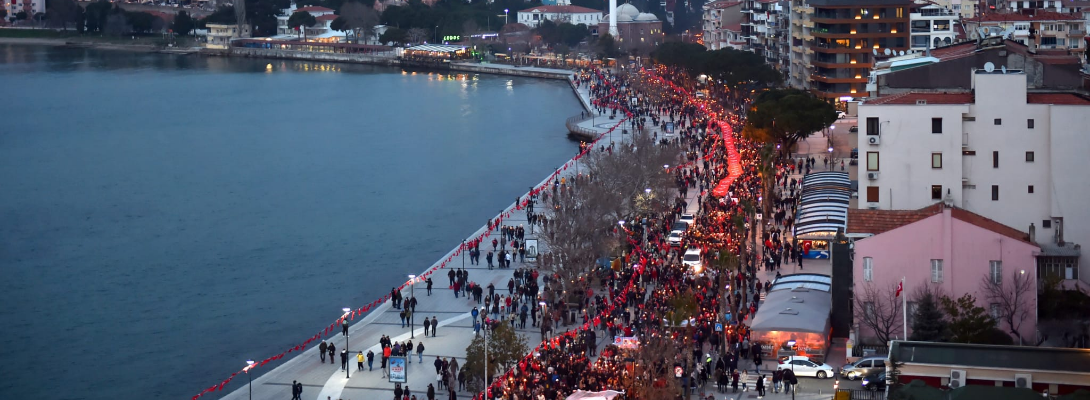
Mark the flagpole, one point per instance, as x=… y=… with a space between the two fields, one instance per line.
x=904 y=309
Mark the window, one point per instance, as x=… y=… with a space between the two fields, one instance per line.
x=936 y=271
x=936 y=192
x=1029 y=123
x=872 y=194
x=1046 y=223
x=936 y=160
x=999 y=121
x=936 y=125
x=995 y=159
x=995 y=192
x=1031 y=189
x=1062 y=267
x=872 y=126
x=872 y=161
x=996 y=271
x=1029 y=156
x=868 y=269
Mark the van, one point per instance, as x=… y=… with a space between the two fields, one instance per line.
x=863 y=367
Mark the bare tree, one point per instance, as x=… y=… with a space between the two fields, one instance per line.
x=652 y=374
x=880 y=311
x=1012 y=295
x=416 y=35
x=360 y=18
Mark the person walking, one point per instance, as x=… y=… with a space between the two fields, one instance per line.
x=370 y=360
x=402 y=315
x=429 y=285
x=359 y=361
x=438 y=365
x=321 y=351
x=420 y=352
x=431 y=392
x=427 y=326
x=474 y=312
x=397 y=391
x=294 y=390
x=332 y=352
x=344 y=360
x=745 y=380
x=434 y=325
x=344 y=327
x=761 y=386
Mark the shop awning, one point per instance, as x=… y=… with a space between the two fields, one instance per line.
x=437 y=48
x=823 y=203
x=797 y=303
x=828 y=179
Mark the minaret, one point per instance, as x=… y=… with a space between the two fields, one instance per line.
x=613 y=19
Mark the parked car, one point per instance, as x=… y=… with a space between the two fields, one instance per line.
x=854 y=129
x=687 y=218
x=675 y=238
x=841 y=114
x=875 y=381
x=804 y=366
x=863 y=367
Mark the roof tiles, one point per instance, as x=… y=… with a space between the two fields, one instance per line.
x=930 y=98
x=879 y=221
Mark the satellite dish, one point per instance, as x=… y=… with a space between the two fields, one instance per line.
x=902 y=52
x=875 y=51
x=1004 y=68
x=988 y=66
x=885 y=51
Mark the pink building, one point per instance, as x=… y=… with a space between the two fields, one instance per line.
x=951 y=248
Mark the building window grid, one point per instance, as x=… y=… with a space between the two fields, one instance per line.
x=995 y=192
x=868 y=269
x=936 y=271
x=1029 y=156
x=936 y=160
x=995 y=269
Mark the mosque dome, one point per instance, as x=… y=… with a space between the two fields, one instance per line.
x=627 y=10
x=646 y=17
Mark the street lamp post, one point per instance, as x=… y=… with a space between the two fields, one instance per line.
x=347 y=371
x=249 y=366
x=412 y=314
x=463 y=254
x=436 y=34
x=505 y=11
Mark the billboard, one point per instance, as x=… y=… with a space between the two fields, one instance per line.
x=398 y=372
x=531 y=249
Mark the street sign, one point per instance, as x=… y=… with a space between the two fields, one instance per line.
x=718 y=327
x=398 y=370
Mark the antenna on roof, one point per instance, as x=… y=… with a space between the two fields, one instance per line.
x=989 y=67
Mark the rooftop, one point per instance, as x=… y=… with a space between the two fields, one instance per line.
x=312 y=9
x=722 y=4
x=1060 y=360
x=1062 y=99
x=560 y=10
x=1027 y=15
x=929 y=97
x=879 y=221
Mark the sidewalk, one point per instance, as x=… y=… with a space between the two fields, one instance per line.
x=324 y=381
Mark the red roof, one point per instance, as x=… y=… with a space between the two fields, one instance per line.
x=879 y=221
x=1029 y=15
x=954 y=51
x=930 y=98
x=314 y=9
x=560 y=10
x=1065 y=99
x=327 y=17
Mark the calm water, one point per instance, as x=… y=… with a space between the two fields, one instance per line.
x=163 y=218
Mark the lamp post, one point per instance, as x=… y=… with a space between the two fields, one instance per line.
x=249 y=366
x=412 y=315
x=347 y=371
x=505 y=11
x=791 y=344
x=436 y=30
x=463 y=254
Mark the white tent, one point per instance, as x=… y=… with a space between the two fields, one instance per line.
x=603 y=395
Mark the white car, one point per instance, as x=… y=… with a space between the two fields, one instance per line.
x=687 y=218
x=804 y=366
x=692 y=258
x=841 y=114
x=675 y=238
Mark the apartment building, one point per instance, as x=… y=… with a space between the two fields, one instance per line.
x=844 y=38
x=723 y=25
x=1038 y=29
x=801 y=52
x=933 y=26
x=765 y=28
x=999 y=150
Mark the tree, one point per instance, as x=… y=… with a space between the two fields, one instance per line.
x=786 y=116
x=607 y=47
x=3 y=13
x=653 y=368
x=879 y=309
x=261 y=15
x=969 y=323
x=572 y=35
x=417 y=35
x=141 y=22
x=393 y=35
x=505 y=348
x=21 y=16
x=302 y=20
x=928 y=322
x=62 y=12
x=1012 y=295
x=95 y=15
x=360 y=19
x=183 y=23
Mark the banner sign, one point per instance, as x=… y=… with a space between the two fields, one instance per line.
x=531 y=249
x=626 y=342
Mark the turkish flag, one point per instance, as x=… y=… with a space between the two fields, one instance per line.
x=900 y=288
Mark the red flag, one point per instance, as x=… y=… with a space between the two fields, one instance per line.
x=900 y=288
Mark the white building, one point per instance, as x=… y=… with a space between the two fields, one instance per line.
x=932 y=26
x=320 y=32
x=574 y=15
x=723 y=24
x=219 y=35
x=1009 y=155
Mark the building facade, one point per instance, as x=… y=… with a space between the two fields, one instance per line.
x=722 y=24
x=933 y=26
x=952 y=250
x=1038 y=29
x=532 y=17
x=637 y=32
x=846 y=36
x=31 y=7
x=219 y=35
x=802 y=40
x=993 y=372
x=766 y=30
x=998 y=151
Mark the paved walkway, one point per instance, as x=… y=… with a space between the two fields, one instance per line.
x=324 y=381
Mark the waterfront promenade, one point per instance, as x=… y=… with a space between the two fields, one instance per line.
x=327 y=381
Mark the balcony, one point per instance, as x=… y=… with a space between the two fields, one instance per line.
x=1076 y=32
x=837 y=78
